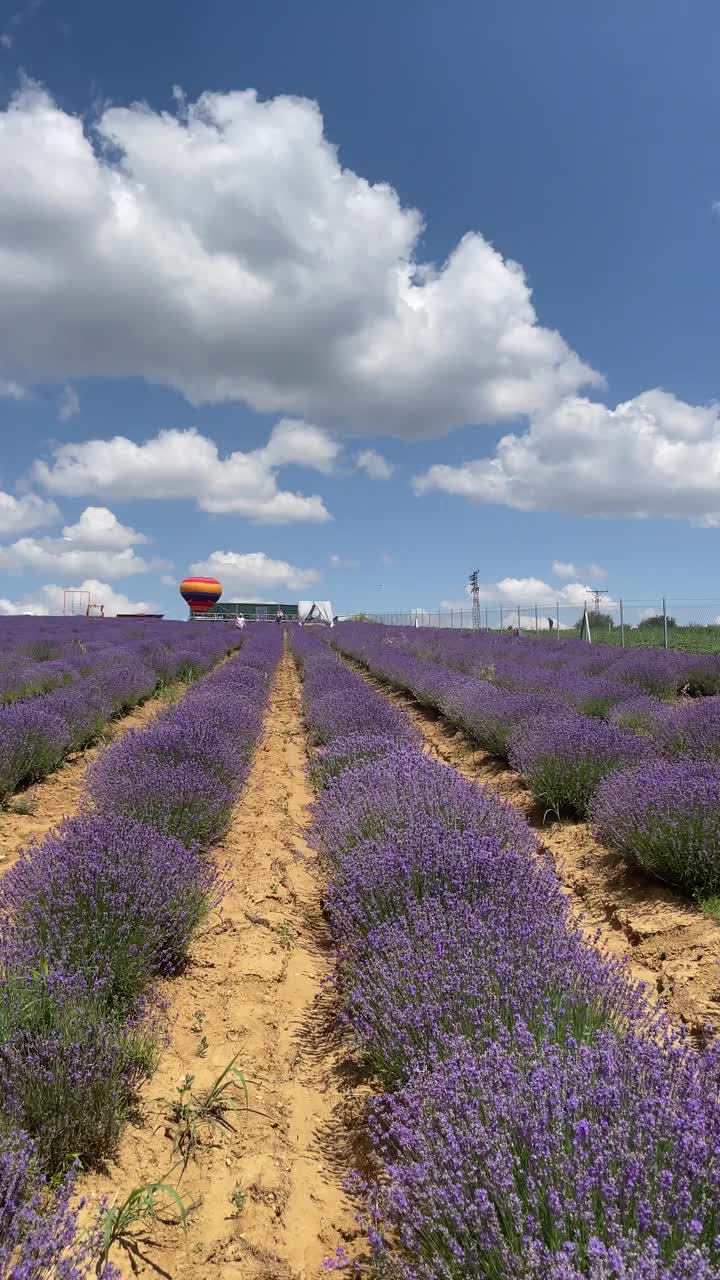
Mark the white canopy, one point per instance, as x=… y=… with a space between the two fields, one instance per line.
x=315 y=611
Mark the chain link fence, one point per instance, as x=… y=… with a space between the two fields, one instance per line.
x=663 y=623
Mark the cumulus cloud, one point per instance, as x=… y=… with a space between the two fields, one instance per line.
x=185 y=464
x=654 y=455
x=99 y=529
x=528 y=591
x=55 y=555
x=566 y=569
x=374 y=464
x=17 y=515
x=69 y=403
x=48 y=599
x=252 y=575
x=222 y=249
x=97 y=543
x=6 y=40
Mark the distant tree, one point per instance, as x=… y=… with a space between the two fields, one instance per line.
x=360 y=617
x=598 y=621
x=655 y=620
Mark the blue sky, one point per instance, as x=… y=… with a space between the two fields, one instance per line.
x=515 y=242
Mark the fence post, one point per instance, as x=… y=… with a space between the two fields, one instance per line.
x=536 y=620
x=452 y=624
x=519 y=628
x=622 y=625
x=487 y=622
x=557 y=618
x=501 y=617
x=665 y=634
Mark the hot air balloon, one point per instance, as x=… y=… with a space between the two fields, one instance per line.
x=200 y=594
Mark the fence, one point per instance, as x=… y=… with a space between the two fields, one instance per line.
x=665 y=623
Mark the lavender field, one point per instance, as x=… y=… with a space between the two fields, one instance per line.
x=527 y=1107
x=108 y=903
x=628 y=740
x=540 y=1116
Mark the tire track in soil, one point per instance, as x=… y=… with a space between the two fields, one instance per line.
x=58 y=795
x=669 y=944
x=259 y=974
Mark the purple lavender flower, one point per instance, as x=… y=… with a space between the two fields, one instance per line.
x=110 y=899
x=572 y=1162
x=372 y=801
x=665 y=817
x=32 y=743
x=564 y=759
x=347 y=752
x=40 y=1234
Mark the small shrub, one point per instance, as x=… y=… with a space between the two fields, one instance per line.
x=564 y=760
x=664 y=816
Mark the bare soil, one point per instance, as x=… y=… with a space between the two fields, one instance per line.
x=35 y=810
x=668 y=943
x=258 y=983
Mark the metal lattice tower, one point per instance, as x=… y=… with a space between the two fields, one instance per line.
x=475 y=593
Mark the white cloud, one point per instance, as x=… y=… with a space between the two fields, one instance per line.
x=99 y=529
x=48 y=599
x=254 y=576
x=185 y=464
x=168 y=580
x=56 y=556
x=374 y=464
x=12 y=391
x=528 y=591
x=6 y=40
x=69 y=403
x=715 y=206
x=651 y=456
x=96 y=544
x=17 y=515
x=223 y=250
x=566 y=569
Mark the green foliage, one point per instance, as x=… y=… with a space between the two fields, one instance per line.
x=599 y=622
x=656 y=620
x=143 y=1205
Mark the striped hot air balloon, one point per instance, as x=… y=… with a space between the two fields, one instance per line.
x=200 y=593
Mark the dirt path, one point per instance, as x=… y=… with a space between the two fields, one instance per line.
x=669 y=943
x=256 y=987
x=34 y=811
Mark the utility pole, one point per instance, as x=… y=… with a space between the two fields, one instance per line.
x=597 y=595
x=475 y=593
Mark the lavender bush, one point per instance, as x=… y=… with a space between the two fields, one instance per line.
x=40 y=1235
x=108 y=899
x=373 y=801
x=32 y=743
x=68 y=1072
x=567 y=1162
x=347 y=751
x=664 y=816
x=564 y=760
x=478 y=969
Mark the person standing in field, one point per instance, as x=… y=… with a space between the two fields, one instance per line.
x=279 y=616
x=240 y=622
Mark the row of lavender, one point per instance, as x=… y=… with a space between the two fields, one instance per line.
x=92 y=918
x=62 y=680
x=539 y=1119
x=645 y=771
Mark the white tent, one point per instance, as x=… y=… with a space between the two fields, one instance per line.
x=315 y=611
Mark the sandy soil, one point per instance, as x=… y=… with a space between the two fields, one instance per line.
x=257 y=987
x=32 y=812
x=669 y=944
